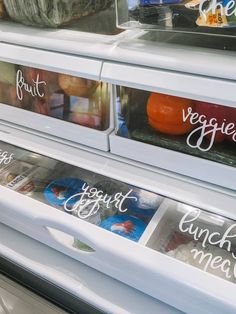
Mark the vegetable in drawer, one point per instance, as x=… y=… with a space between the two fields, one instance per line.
x=165 y=114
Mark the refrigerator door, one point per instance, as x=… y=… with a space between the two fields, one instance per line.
x=183 y=128
x=58 y=95
x=121 y=251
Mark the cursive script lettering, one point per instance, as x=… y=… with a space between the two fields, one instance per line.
x=212 y=262
x=186 y=225
x=212 y=7
x=93 y=198
x=33 y=90
x=5 y=157
x=206 y=127
x=204 y=236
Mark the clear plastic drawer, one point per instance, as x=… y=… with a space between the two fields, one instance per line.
x=213 y=17
x=70 y=107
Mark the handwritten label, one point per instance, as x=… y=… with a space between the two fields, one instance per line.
x=5 y=157
x=205 y=237
x=92 y=199
x=212 y=7
x=206 y=127
x=33 y=90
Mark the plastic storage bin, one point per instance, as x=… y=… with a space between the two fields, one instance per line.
x=214 y=17
x=192 y=137
x=197 y=238
x=121 y=225
x=70 y=104
x=121 y=208
x=73 y=99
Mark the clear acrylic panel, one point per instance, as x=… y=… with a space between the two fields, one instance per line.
x=204 y=16
x=198 y=238
x=118 y=207
x=73 y=99
x=187 y=126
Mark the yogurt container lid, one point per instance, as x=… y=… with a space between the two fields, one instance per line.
x=59 y=191
x=127 y=226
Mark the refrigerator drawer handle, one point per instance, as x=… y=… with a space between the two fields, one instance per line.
x=79 y=232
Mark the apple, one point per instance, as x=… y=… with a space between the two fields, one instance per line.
x=77 y=86
x=50 y=78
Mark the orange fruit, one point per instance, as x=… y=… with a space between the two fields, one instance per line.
x=165 y=114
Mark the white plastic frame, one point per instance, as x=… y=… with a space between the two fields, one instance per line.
x=147 y=270
x=177 y=84
x=71 y=65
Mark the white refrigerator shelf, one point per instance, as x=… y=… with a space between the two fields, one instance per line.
x=160 y=276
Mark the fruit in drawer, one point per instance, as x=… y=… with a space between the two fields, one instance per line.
x=165 y=113
x=222 y=118
x=91 y=111
x=7 y=73
x=85 y=119
x=30 y=75
x=41 y=106
x=76 y=86
x=8 y=95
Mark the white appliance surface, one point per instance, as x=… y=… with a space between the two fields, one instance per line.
x=93 y=287
x=175 y=278
x=198 y=54
x=64 y=64
x=80 y=41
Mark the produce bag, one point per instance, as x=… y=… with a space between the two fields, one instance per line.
x=2 y=9
x=52 y=13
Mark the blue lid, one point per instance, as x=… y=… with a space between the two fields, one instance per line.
x=59 y=191
x=127 y=226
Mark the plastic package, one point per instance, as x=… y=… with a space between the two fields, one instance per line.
x=52 y=13
x=206 y=16
x=2 y=9
x=198 y=238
